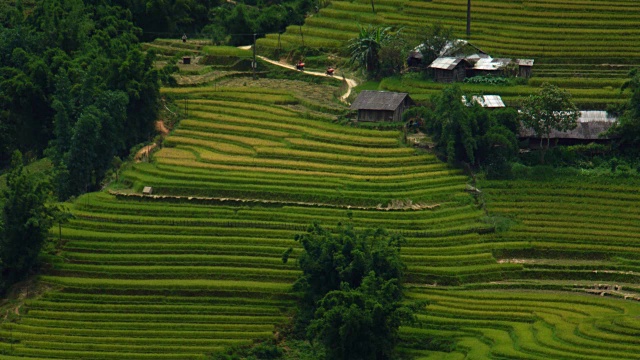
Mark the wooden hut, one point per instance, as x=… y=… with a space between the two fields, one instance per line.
x=524 y=67
x=381 y=105
x=592 y=125
x=449 y=69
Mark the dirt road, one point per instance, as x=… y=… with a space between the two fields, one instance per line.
x=350 y=82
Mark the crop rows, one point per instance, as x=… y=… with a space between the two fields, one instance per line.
x=179 y=278
x=566 y=35
x=531 y=325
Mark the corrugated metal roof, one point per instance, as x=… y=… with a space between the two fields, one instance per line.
x=596 y=115
x=475 y=57
x=491 y=64
x=591 y=124
x=487 y=101
x=493 y=101
x=378 y=100
x=445 y=63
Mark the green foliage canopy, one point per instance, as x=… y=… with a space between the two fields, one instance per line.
x=352 y=291
x=364 y=50
x=627 y=130
x=467 y=132
x=75 y=79
x=25 y=222
x=550 y=109
x=435 y=40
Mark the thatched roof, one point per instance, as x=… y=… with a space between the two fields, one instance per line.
x=379 y=100
x=590 y=125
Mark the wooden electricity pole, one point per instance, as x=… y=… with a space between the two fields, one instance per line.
x=468 y=18
x=254 y=64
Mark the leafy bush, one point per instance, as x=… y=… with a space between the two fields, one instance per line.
x=487 y=80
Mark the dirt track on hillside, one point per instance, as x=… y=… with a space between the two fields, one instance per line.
x=350 y=82
x=146 y=150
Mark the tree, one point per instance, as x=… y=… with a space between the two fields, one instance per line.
x=352 y=291
x=393 y=56
x=364 y=50
x=627 y=131
x=550 y=109
x=467 y=132
x=436 y=39
x=453 y=127
x=26 y=219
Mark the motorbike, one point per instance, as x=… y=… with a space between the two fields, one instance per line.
x=329 y=72
x=300 y=66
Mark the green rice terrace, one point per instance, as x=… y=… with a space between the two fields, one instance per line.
x=525 y=270
x=587 y=47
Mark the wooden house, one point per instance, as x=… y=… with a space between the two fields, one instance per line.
x=591 y=127
x=449 y=69
x=381 y=105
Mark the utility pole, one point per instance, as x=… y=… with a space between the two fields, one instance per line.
x=301 y=35
x=373 y=8
x=254 y=64
x=468 y=18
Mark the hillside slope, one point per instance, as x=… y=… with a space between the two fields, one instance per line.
x=198 y=267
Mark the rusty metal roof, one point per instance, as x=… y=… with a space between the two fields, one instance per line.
x=446 y=63
x=378 y=100
x=591 y=124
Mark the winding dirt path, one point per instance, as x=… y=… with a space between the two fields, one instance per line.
x=350 y=82
x=145 y=151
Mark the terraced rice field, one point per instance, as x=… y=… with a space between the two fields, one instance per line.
x=592 y=37
x=184 y=276
x=586 y=47
x=593 y=224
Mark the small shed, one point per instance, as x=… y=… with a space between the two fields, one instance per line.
x=450 y=69
x=524 y=67
x=414 y=59
x=381 y=105
x=591 y=124
x=486 y=101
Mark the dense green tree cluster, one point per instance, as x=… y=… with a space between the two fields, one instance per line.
x=24 y=222
x=74 y=81
x=223 y=21
x=352 y=291
x=466 y=132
